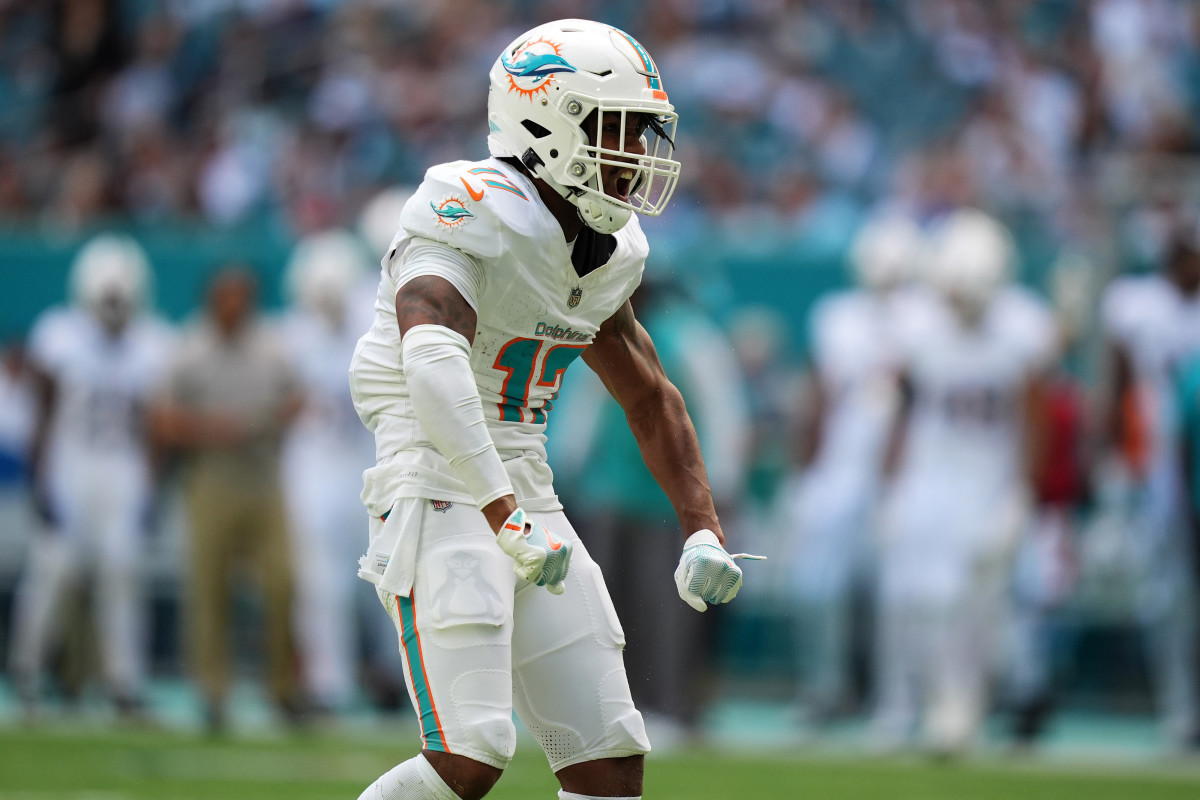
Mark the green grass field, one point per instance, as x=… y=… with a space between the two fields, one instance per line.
x=96 y=764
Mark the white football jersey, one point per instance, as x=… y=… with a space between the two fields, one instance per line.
x=102 y=381
x=965 y=428
x=328 y=421
x=536 y=315
x=853 y=337
x=1157 y=326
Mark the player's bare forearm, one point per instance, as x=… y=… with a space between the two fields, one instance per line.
x=893 y=450
x=813 y=424
x=499 y=510
x=625 y=359
x=1120 y=384
x=1033 y=439
x=668 y=443
x=46 y=397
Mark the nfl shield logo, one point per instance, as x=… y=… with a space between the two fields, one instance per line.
x=441 y=505
x=573 y=300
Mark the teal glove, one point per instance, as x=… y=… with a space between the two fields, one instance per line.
x=706 y=573
x=539 y=556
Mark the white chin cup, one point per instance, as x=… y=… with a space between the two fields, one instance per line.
x=600 y=216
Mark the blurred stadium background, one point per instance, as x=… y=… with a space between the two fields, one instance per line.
x=219 y=131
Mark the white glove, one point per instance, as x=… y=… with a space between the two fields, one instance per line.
x=706 y=573
x=540 y=556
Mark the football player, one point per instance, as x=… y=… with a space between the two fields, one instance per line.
x=1152 y=324
x=95 y=364
x=505 y=271
x=959 y=463
x=324 y=455
x=854 y=397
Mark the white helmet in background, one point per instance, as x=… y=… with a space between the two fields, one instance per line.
x=970 y=258
x=379 y=220
x=323 y=270
x=545 y=85
x=885 y=252
x=110 y=278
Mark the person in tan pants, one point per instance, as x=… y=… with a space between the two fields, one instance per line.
x=228 y=399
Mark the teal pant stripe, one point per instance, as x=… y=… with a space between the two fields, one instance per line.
x=431 y=728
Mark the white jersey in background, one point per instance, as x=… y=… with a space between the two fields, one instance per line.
x=536 y=315
x=327 y=423
x=854 y=358
x=854 y=352
x=96 y=475
x=326 y=450
x=102 y=384
x=1158 y=326
x=962 y=449
x=954 y=510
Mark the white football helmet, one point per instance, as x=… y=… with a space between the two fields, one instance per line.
x=110 y=278
x=379 y=220
x=546 y=84
x=970 y=258
x=885 y=252
x=323 y=270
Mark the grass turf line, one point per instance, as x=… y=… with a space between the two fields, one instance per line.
x=90 y=764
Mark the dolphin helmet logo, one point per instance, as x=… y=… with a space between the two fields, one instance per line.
x=536 y=65
x=533 y=66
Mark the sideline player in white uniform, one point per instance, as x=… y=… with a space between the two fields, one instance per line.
x=507 y=270
x=854 y=397
x=960 y=462
x=1152 y=323
x=326 y=451
x=95 y=364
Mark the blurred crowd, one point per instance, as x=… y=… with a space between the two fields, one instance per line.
x=224 y=111
x=953 y=464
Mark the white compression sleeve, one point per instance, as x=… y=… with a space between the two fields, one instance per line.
x=415 y=779
x=437 y=367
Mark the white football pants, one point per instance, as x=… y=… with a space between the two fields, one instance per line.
x=831 y=513
x=332 y=604
x=100 y=501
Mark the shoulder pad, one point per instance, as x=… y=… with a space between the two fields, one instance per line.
x=473 y=206
x=632 y=239
x=53 y=334
x=1125 y=301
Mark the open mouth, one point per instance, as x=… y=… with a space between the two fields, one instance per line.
x=623 y=183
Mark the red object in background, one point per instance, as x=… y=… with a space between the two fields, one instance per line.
x=1135 y=442
x=1061 y=480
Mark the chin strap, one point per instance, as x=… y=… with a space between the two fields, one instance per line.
x=532 y=160
x=593 y=213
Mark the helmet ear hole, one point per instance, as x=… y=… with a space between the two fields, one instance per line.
x=538 y=131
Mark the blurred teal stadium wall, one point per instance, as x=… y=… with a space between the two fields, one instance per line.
x=35 y=267
x=724 y=270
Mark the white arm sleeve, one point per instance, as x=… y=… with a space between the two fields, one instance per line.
x=445 y=398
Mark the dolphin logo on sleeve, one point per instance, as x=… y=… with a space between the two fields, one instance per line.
x=452 y=212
